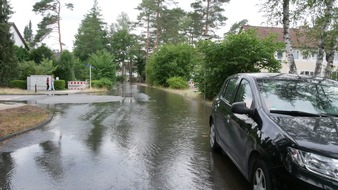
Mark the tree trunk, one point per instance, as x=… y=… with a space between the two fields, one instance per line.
x=287 y=41
x=321 y=44
x=130 y=70
x=329 y=60
x=147 y=42
x=59 y=24
x=206 y=31
x=157 y=25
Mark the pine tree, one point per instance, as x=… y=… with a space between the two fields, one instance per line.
x=211 y=12
x=51 y=10
x=28 y=33
x=8 y=62
x=92 y=35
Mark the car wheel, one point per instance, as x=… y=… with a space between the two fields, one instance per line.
x=213 y=142
x=261 y=179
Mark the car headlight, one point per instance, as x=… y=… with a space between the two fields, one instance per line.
x=315 y=163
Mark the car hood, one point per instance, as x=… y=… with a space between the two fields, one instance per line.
x=318 y=134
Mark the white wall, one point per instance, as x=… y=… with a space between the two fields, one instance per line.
x=16 y=38
x=39 y=81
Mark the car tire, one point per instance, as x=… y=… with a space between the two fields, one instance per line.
x=213 y=142
x=261 y=179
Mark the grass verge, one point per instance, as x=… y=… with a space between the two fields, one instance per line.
x=17 y=119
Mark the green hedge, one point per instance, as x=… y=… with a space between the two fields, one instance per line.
x=22 y=84
x=60 y=85
x=177 y=83
x=102 y=83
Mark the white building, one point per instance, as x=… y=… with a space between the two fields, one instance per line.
x=305 y=61
x=17 y=37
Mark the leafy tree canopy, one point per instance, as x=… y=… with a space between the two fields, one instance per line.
x=171 y=61
x=65 y=69
x=40 y=53
x=244 y=52
x=103 y=65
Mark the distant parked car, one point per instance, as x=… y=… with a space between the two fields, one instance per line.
x=280 y=130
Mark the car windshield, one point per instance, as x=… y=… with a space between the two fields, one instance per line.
x=299 y=96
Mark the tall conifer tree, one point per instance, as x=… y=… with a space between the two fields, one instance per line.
x=8 y=62
x=92 y=34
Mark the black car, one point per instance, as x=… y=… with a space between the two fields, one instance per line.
x=280 y=130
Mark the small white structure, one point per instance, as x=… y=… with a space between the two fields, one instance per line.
x=39 y=80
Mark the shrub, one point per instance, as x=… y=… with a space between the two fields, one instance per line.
x=170 y=61
x=22 y=84
x=120 y=78
x=177 y=83
x=239 y=53
x=102 y=83
x=60 y=85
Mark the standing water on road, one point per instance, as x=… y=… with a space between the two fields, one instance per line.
x=151 y=140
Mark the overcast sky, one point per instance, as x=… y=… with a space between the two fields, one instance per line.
x=235 y=11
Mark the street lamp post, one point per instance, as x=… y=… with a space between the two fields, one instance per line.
x=90 y=77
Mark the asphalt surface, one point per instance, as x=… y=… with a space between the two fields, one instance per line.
x=140 y=138
x=55 y=97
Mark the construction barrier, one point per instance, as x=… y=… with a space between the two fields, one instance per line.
x=77 y=85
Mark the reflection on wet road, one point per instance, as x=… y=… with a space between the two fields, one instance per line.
x=152 y=140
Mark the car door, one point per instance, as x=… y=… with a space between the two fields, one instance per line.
x=223 y=111
x=240 y=125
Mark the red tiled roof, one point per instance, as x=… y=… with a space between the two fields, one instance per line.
x=297 y=36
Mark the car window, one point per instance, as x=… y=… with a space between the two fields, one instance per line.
x=228 y=92
x=305 y=95
x=244 y=93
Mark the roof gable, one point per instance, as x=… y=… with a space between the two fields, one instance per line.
x=19 y=34
x=297 y=36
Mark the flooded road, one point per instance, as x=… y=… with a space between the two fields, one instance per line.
x=151 y=140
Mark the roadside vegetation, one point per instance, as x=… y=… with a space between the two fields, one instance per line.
x=166 y=46
x=18 y=119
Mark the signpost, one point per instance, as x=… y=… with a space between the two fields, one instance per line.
x=90 y=75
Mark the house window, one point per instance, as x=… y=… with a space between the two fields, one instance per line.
x=296 y=54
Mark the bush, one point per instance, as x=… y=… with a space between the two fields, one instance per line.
x=102 y=83
x=240 y=53
x=177 y=83
x=22 y=84
x=60 y=85
x=120 y=78
x=170 y=61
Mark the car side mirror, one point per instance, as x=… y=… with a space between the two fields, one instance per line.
x=240 y=108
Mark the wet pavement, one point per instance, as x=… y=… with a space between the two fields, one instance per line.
x=141 y=138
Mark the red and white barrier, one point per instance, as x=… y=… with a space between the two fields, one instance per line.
x=77 y=85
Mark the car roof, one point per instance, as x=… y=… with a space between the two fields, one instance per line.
x=277 y=76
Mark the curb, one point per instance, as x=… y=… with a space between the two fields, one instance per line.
x=37 y=126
